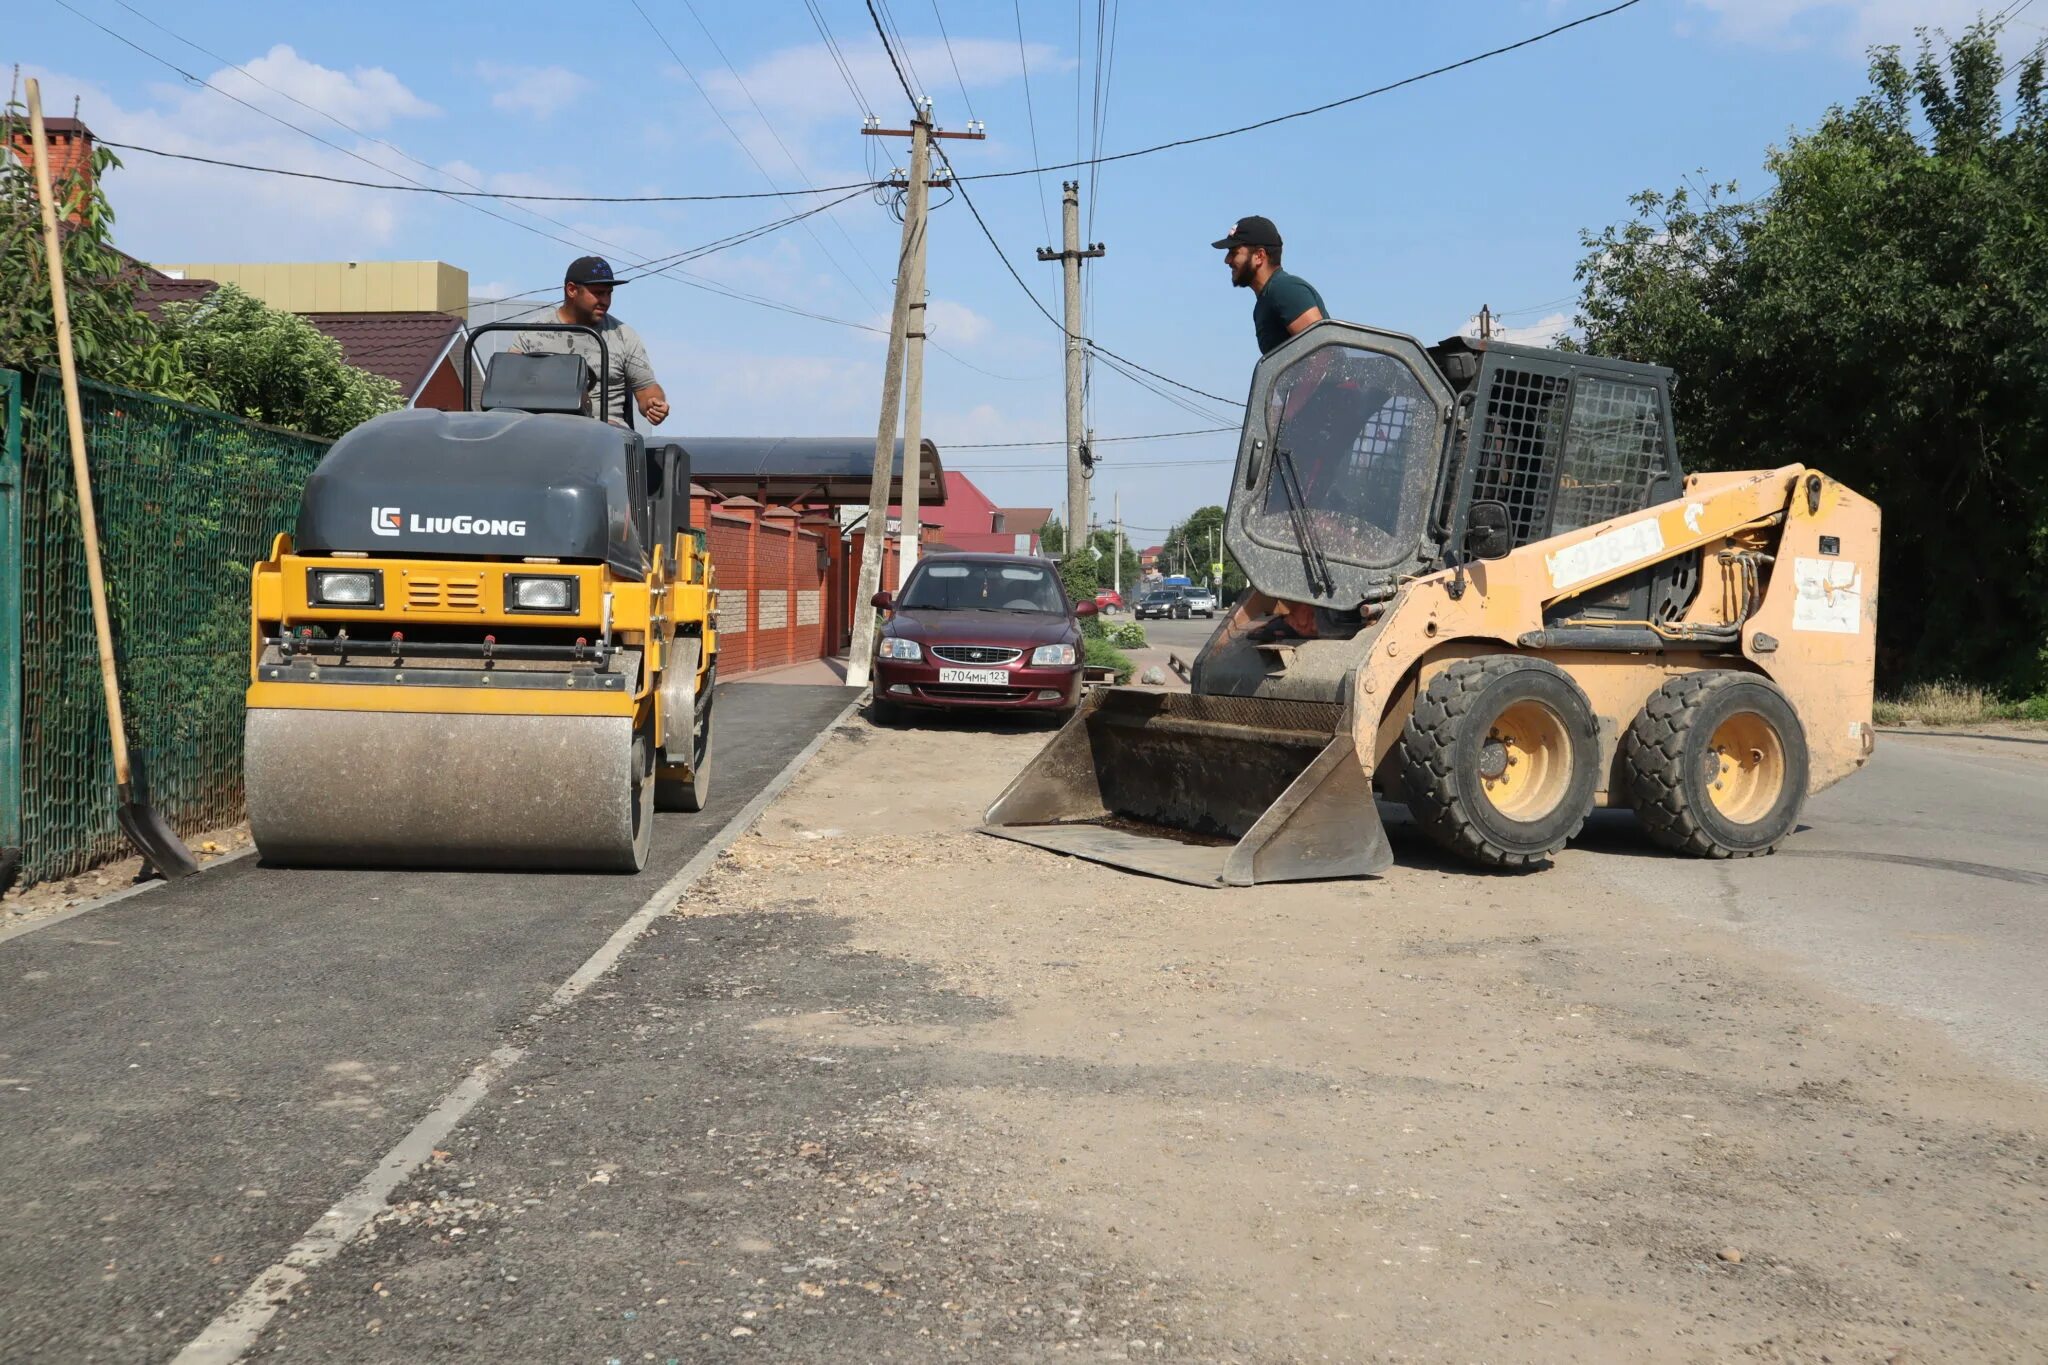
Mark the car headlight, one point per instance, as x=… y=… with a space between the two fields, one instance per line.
x=1049 y=656
x=345 y=587
x=893 y=648
x=540 y=592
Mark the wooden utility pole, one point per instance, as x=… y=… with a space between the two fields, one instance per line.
x=909 y=286
x=1117 y=546
x=1070 y=256
x=913 y=411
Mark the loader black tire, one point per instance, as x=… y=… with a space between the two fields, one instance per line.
x=1716 y=765
x=1479 y=720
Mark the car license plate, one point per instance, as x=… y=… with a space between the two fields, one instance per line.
x=987 y=677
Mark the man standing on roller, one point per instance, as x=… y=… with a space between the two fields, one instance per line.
x=587 y=299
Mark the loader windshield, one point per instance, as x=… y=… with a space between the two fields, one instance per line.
x=1362 y=437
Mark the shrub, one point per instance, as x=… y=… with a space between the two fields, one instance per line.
x=1129 y=635
x=1102 y=654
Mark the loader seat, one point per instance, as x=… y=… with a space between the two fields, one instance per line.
x=537 y=383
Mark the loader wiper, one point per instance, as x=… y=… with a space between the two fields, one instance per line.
x=1312 y=557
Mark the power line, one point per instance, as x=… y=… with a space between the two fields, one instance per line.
x=1030 y=116
x=718 y=114
x=484 y=194
x=839 y=59
x=1108 y=354
x=1103 y=467
x=947 y=39
x=1080 y=162
x=1099 y=440
x=883 y=34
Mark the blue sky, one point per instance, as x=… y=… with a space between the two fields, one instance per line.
x=1407 y=211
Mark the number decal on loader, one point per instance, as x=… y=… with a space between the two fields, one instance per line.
x=1591 y=558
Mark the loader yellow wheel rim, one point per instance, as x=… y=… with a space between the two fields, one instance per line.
x=1525 y=765
x=1745 y=768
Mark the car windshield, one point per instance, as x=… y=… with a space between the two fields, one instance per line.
x=938 y=586
x=1360 y=438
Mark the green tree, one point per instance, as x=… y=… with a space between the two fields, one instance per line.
x=276 y=367
x=1189 y=547
x=110 y=340
x=1880 y=316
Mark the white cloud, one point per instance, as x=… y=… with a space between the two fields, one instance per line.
x=1542 y=332
x=541 y=91
x=368 y=98
x=1850 y=25
x=955 y=323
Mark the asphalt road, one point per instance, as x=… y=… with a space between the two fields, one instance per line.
x=1920 y=883
x=189 y=1078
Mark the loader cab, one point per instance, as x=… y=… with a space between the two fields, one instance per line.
x=1343 y=440
x=1363 y=455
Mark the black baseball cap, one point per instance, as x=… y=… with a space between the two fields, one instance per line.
x=1252 y=231
x=591 y=270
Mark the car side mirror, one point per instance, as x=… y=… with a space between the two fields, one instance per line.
x=1085 y=608
x=1488 y=532
x=882 y=601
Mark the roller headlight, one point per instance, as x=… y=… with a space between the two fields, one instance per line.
x=540 y=592
x=1052 y=656
x=893 y=648
x=345 y=587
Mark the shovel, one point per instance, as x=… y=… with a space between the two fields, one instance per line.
x=145 y=828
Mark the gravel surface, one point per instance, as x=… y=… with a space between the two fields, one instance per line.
x=884 y=1088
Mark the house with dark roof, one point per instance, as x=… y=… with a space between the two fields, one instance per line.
x=970 y=520
x=399 y=319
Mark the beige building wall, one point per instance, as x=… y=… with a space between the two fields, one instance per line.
x=339 y=286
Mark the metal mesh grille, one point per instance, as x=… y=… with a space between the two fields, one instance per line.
x=1613 y=455
x=188 y=499
x=1519 y=447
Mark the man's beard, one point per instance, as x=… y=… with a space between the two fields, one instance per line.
x=1243 y=275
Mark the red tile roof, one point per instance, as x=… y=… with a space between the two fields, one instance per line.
x=403 y=347
x=1019 y=520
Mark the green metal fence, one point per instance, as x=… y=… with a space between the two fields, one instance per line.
x=10 y=625
x=188 y=499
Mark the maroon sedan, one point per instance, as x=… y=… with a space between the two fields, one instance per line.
x=980 y=631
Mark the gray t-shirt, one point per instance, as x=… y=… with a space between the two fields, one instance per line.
x=623 y=347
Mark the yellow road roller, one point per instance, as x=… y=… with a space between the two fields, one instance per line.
x=490 y=641
x=1482 y=586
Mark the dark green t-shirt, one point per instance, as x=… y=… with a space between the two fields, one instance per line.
x=1285 y=298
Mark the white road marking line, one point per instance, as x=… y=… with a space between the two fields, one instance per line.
x=228 y=1337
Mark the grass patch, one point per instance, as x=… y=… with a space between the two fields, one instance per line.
x=1957 y=703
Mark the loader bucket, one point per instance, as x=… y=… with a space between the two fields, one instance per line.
x=1213 y=791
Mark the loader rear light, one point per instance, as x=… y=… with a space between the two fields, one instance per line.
x=345 y=587
x=541 y=592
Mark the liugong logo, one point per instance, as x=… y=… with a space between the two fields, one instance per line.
x=390 y=521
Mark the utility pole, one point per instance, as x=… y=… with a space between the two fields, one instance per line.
x=1118 y=544
x=909 y=263
x=913 y=410
x=1070 y=256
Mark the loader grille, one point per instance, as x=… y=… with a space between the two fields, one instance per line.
x=1520 y=445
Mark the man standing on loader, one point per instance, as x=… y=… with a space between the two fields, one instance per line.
x=587 y=300
x=1286 y=303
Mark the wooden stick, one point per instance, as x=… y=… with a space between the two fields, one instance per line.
x=80 y=472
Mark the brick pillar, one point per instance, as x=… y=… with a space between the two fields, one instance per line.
x=826 y=528
x=747 y=510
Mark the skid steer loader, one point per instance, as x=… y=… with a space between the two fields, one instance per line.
x=491 y=641
x=1481 y=586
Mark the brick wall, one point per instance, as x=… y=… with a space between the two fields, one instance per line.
x=781 y=581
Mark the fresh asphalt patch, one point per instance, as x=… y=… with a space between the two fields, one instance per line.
x=675 y=1173
x=189 y=1079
